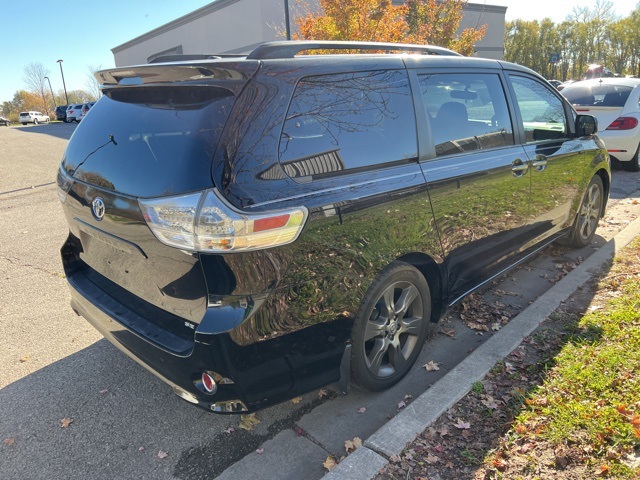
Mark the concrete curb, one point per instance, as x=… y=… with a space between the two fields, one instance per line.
x=396 y=434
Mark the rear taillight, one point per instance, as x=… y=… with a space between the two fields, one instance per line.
x=623 y=123
x=206 y=222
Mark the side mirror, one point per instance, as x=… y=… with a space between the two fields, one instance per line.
x=586 y=125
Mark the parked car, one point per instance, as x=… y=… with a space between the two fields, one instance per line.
x=247 y=249
x=61 y=112
x=73 y=112
x=555 y=83
x=5 y=121
x=85 y=109
x=33 y=117
x=615 y=102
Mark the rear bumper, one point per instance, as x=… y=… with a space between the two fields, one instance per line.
x=250 y=375
x=131 y=334
x=621 y=144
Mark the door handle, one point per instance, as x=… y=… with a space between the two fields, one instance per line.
x=540 y=163
x=519 y=168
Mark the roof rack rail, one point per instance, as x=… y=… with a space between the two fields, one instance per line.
x=179 y=57
x=289 y=48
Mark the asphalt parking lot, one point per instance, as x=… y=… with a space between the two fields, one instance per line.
x=121 y=422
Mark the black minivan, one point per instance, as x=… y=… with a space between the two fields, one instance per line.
x=250 y=228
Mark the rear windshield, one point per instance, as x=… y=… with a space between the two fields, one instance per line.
x=601 y=95
x=150 y=141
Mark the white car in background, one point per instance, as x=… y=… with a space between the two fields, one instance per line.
x=73 y=112
x=33 y=117
x=85 y=109
x=615 y=102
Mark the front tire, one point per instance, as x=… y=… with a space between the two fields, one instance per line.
x=390 y=327
x=586 y=222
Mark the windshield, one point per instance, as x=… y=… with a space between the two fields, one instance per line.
x=150 y=141
x=598 y=95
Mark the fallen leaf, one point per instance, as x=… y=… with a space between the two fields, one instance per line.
x=495 y=327
x=431 y=366
x=329 y=463
x=9 y=441
x=65 y=422
x=401 y=405
x=296 y=400
x=247 y=422
x=432 y=459
x=448 y=332
x=395 y=458
x=230 y=430
x=490 y=403
x=106 y=390
x=322 y=393
x=260 y=451
x=351 y=445
x=141 y=449
x=443 y=431
x=604 y=470
x=477 y=326
x=362 y=410
x=462 y=425
x=24 y=359
x=162 y=454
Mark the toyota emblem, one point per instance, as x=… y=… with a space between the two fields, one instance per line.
x=97 y=207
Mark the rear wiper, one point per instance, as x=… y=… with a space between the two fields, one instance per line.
x=111 y=140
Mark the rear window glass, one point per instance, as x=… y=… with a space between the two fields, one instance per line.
x=600 y=95
x=150 y=141
x=347 y=123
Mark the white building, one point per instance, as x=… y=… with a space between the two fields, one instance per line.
x=237 y=26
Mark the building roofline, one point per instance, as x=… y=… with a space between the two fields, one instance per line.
x=189 y=17
x=482 y=7
x=219 y=4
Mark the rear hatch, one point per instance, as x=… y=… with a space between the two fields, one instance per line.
x=605 y=101
x=152 y=134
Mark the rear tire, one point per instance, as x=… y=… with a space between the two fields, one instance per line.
x=390 y=327
x=633 y=165
x=589 y=213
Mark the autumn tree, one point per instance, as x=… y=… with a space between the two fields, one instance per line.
x=433 y=22
x=364 y=20
x=588 y=35
x=34 y=74
x=436 y=22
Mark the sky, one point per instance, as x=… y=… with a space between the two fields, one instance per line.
x=83 y=32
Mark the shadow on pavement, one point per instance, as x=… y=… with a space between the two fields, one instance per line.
x=122 y=418
x=58 y=130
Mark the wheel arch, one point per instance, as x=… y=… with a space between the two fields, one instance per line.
x=606 y=183
x=432 y=273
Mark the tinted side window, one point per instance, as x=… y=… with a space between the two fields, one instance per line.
x=466 y=112
x=543 y=114
x=348 y=122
